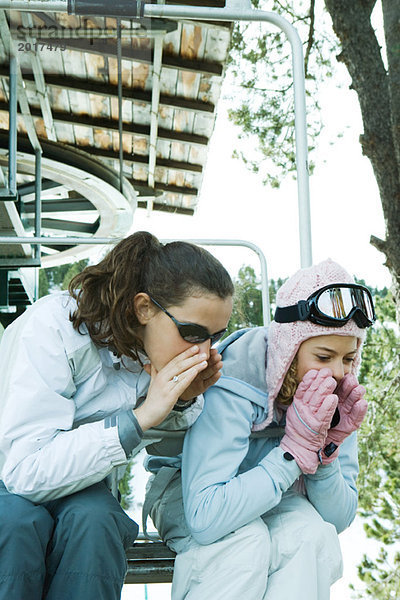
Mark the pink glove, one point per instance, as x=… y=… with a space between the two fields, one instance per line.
x=352 y=408
x=308 y=419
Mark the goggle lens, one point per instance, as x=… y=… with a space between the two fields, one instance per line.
x=338 y=302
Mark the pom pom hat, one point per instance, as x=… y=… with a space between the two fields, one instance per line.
x=284 y=339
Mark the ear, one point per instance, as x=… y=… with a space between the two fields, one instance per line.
x=144 y=308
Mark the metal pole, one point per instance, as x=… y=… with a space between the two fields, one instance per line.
x=12 y=140
x=155 y=104
x=67 y=241
x=60 y=241
x=35 y=5
x=38 y=203
x=121 y=147
x=234 y=14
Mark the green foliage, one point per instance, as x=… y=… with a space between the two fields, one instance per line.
x=58 y=278
x=379 y=453
x=247 y=307
x=125 y=486
x=260 y=64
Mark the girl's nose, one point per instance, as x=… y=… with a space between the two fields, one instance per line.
x=338 y=370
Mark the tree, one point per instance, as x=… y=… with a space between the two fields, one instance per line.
x=247 y=307
x=266 y=112
x=58 y=278
x=379 y=453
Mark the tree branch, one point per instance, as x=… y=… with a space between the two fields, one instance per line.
x=311 y=32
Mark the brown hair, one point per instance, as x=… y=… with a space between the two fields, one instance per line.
x=140 y=263
x=289 y=384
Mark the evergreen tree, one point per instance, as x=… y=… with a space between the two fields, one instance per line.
x=58 y=278
x=379 y=454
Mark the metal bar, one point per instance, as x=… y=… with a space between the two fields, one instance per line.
x=61 y=206
x=235 y=12
x=15 y=263
x=12 y=142
x=22 y=95
x=37 y=68
x=155 y=105
x=263 y=265
x=59 y=241
x=119 y=65
x=201 y=242
x=38 y=201
x=26 y=189
x=44 y=5
x=3 y=288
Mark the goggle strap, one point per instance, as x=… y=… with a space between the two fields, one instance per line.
x=289 y=314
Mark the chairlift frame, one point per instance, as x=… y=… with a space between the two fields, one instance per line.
x=234 y=10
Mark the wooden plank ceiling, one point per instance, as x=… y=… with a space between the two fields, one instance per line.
x=81 y=85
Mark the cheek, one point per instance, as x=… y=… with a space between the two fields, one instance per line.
x=348 y=368
x=304 y=365
x=161 y=349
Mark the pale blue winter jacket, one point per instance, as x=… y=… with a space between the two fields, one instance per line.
x=228 y=478
x=66 y=418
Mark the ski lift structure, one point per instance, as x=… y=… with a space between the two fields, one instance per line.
x=118 y=114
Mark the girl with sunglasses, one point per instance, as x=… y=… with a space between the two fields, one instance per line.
x=269 y=469
x=83 y=374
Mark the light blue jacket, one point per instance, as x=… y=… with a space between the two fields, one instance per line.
x=228 y=478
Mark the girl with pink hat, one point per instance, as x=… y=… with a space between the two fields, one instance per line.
x=269 y=468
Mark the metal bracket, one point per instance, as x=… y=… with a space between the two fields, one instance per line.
x=106 y=8
x=3 y=288
x=16 y=263
x=7 y=196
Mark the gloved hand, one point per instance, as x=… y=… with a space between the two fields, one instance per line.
x=352 y=408
x=308 y=418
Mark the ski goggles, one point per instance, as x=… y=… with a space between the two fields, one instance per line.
x=333 y=305
x=191 y=332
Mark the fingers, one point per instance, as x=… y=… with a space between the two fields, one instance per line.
x=316 y=386
x=212 y=368
x=357 y=393
x=346 y=385
x=185 y=378
x=184 y=361
x=305 y=383
x=327 y=409
x=359 y=411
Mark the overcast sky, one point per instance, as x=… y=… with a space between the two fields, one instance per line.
x=345 y=204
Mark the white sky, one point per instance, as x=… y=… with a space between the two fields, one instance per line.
x=233 y=204
x=345 y=211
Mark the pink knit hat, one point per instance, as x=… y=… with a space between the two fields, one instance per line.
x=284 y=339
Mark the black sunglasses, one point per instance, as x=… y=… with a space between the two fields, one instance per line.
x=191 y=332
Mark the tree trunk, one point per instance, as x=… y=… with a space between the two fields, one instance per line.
x=378 y=92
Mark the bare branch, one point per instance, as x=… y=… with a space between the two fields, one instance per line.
x=311 y=33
